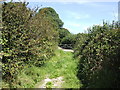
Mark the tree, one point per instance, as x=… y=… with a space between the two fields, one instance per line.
x=51 y=14
x=62 y=33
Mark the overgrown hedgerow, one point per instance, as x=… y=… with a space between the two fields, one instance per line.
x=28 y=37
x=99 y=64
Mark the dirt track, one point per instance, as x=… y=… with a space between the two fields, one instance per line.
x=66 y=50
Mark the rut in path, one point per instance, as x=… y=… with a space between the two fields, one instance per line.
x=56 y=82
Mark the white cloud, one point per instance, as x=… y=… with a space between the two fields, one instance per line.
x=75 y=24
x=76 y=27
x=116 y=14
x=78 y=16
x=72 y=24
x=82 y=16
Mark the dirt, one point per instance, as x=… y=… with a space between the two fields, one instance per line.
x=56 y=82
x=66 y=50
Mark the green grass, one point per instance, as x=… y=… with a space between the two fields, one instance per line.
x=49 y=85
x=62 y=64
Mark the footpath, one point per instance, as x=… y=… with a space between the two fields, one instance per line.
x=61 y=71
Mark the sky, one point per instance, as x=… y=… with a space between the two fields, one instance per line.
x=80 y=15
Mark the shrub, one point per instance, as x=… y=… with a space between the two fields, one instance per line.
x=68 y=41
x=28 y=37
x=80 y=43
x=99 y=57
x=14 y=16
x=62 y=33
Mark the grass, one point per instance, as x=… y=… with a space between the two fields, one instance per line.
x=62 y=64
x=49 y=85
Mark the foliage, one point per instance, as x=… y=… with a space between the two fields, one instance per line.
x=32 y=76
x=69 y=40
x=66 y=39
x=80 y=39
x=28 y=37
x=62 y=33
x=99 y=56
x=15 y=16
x=49 y=85
x=51 y=15
x=44 y=38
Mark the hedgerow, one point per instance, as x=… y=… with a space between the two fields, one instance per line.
x=69 y=39
x=14 y=17
x=99 y=64
x=28 y=37
x=66 y=39
x=62 y=33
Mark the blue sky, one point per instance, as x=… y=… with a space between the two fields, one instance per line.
x=78 y=16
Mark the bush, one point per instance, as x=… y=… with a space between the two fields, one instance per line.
x=28 y=37
x=62 y=33
x=68 y=41
x=14 y=16
x=99 y=57
x=80 y=43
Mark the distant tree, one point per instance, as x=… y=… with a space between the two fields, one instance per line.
x=69 y=41
x=51 y=14
x=63 y=33
x=44 y=36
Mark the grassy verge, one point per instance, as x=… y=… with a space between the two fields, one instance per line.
x=62 y=64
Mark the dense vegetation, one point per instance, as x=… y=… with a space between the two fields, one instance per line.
x=62 y=34
x=29 y=40
x=28 y=37
x=98 y=52
x=66 y=39
x=33 y=77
